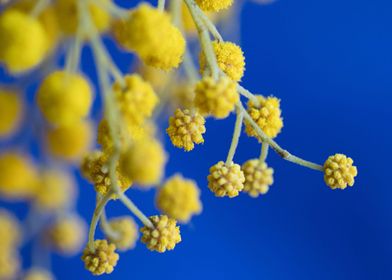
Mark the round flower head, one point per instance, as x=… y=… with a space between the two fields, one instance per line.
x=179 y=198
x=68 y=16
x=258 y=177
x=226 y=179
x=164 y=236
x=71 y=142
x=339 y=171
x=67 y=234
x=267 y=114
x=47 y=17
x=56 y=190
x=9 y=264
x=23 y=41
x=64 y=98
x=102 y=259
x=150 y=33
x=137 y=100
x=186 y=129
x=11 y=107
x=216 y=98
x=9 y=231
x=144 y=162
x=95 y=168
x=18 y=176
x=125 y=233
x=230 y=59
x=38 y=274
x=214 y=5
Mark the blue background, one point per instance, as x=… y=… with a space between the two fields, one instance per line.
x=330 y=62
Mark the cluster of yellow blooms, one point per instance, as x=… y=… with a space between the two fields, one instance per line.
x=129 y=152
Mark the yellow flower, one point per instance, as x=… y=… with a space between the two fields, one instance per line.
x=217 y=98
x=267 y=114
x=150 y=33
x=68 y=16
x=67 y=234
x=230 y=59
x=339 y=171
x=144 y=162
x=214 y=5
x=18 y=176
x=179 y=198
x=47 y=17
x=125 y=233
x=9 y=231
x=23 y=41
x=71 y=142
x=102 y=259
x=11 y=111
x=64 y=98
x=226 y=180
x=186 y=129
x=38 y=274
x=137 y=100
x=258 y=177
x=164 y=236
x=95 y=168
x=9 y=264
x=56 y=190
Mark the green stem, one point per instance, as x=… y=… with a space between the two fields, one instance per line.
x=161 y=5
x=135 y=210
x=264 y=151
x=204 y=38
x=39 y=7
x=106 y=228
x=236 y=137
x=279 y=150
x=94 y=221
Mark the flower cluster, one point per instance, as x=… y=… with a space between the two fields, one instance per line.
x=124 y=147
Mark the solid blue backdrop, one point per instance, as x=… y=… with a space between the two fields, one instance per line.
x=330 y=62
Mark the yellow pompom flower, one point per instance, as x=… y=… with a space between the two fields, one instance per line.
x=9 y=231
x=186 y=129
x=23 y=41
x=216 y=98
x=214 y=5
x=102 y=259
x=67 y=235
x=11 y=111
x=149 y=33
x=71 y=142
x=68 y=16
x=125 y=233
x=18 y=176
x=230 y=59
x=56 y=190
x=38 y=274
x=339 y=171
x=9 y=264
x=258 y=177
x=179 y=198
x=95 y=168
x=164 y=236
x=47 y=18
x=267 y=114
x=144 y=162
x=226 y=179
x=64 y=98
x=137 y=100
